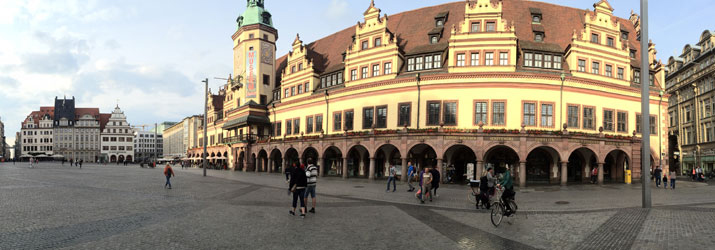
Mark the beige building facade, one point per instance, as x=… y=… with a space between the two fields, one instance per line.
x=550 y=91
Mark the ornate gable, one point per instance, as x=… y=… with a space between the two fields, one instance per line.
x=299 y=75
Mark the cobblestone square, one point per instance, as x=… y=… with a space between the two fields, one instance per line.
x=52 y=206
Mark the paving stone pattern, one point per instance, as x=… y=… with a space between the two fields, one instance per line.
x=115 y=207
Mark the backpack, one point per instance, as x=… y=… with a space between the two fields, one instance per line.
x=483 y=185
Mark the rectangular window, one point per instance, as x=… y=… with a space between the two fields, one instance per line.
x=292 y=91
x=610 y=42
x=378 y=41
x=622 y=122
x=608 y=120
x=388 y=68
x=609 y=71
x=300 y=89
x=418 y=63
x=333 y=81
x=450 y=113
x=474 y=59
x=538 y=60
x=595 y=68
x=381 y=117
x=296 y=126
x=405 y=110
x=557 y=62
x=437 y=61
x=581 y=65
x=594 y=38
x=289 y=127
x=266 y=80
x=410 y=64
x=368 y=115
x=460 y=60
x=529 y=59
x=476 y=27
x=337 y=121
x=323 y=81
x=480 y=113
x=428 y=62
x=340 y=77
x=353 y=75
x=278 y=129
x=654 y=125
x=319 y=123
x=364 y=72
x=498 y=113
x=548 y=60
x=636 y=76
x=364 y=45
x=651 y=80
x=538 y=37
x=572 y=116
x=638 y=123
x=376 y=70
x=491 y=26
x=305 y=88
x=588 y=118
x=530 y=114
x=547 y=115
x=503 y=58
x=309 y=125
x=349 y=117
x=620 y=73
x=489 y=59
x=433 y=112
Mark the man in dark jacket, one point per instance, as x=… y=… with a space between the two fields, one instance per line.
x=298 y=182
x=657 y=174
x=435 y=180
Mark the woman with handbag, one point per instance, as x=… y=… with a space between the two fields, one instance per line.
x=298 y=183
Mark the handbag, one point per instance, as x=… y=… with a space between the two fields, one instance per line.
x=294 y=187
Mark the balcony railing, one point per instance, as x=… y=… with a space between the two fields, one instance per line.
x=244 y=138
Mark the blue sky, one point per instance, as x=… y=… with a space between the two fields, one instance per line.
x=151 y=55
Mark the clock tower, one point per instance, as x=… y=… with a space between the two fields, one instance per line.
x=254 y=60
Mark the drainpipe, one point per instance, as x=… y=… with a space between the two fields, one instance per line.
x=418 y=100
x=327 y=113
x=660 y=136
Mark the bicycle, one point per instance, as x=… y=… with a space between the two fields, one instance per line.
x=499 y=208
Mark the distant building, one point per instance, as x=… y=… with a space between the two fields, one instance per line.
x=147 y=145
x=117 y=138
x=178 y=137
x=3 y=147
x=37 y=133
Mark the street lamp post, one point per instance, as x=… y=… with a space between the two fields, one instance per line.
x=206 y=111
x=645 y=105
x=561 y=100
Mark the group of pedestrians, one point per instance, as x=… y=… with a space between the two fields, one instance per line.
x=698 y=174
x=659 y=176
x=301 y=183
x=428 y=178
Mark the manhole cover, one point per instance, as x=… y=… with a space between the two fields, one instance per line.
x=562 y=202
x=359 y=186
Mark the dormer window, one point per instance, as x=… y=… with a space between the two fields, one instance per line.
x=440 y=23
x=633 y=54
x=433 y=39
x=364 y=45
x=538 y=36
x=535 y=18
x=624 y=35
x=476 y=27
x=378 y=42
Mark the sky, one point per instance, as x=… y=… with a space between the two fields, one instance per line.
x=149 y=56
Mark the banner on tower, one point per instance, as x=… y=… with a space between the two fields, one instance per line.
x=251 y=74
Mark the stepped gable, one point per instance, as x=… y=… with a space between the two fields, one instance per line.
x=411 y=29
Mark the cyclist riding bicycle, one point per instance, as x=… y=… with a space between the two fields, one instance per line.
x=508 y=193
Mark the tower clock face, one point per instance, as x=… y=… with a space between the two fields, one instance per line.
x=267 y=53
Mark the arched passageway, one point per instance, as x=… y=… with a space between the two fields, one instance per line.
x=291 y=158
x=580 y=164
x=615 y=165
x=277 y=159
x=386 y=156
x=499 y=157
x=457 y=157
x=358 y=162
x=422 y=155
x=333 y=162
x=543 y=166
x=309 y=153
x=262 y=161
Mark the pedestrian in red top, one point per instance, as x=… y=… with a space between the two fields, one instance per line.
x=168 y=172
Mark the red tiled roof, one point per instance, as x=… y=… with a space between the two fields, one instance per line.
x=37 y=115
x=103 y=120
x=411 y=29
x=79 y=112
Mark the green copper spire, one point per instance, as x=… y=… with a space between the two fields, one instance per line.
x=254 y=13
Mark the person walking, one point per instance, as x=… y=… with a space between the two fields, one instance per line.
x=426 y=184
x=168 y=172
x=508 y=193
x=491 y=180
x=80 y=163
x=665 y=180
x=298 y=183
x=672 y=179
x=657 y=174
x=410 y=176
x=391 y=178
x=312 y=174
x=594 y=176
x=436 y=177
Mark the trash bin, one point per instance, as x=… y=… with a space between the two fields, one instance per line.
x=628 y=176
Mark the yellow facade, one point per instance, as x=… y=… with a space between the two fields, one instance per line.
x=504 y=80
